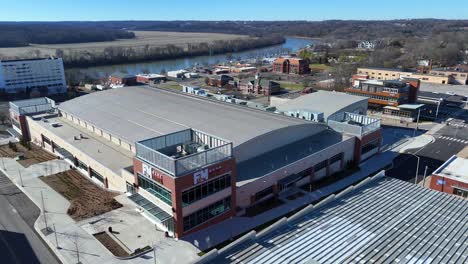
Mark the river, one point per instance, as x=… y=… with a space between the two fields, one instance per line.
x=290 y=45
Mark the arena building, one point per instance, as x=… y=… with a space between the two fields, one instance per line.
x=191 y=162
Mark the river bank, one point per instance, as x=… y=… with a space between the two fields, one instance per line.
x=156 y=66
x=114 y=55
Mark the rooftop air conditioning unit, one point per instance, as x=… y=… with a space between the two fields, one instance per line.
x=202 y=148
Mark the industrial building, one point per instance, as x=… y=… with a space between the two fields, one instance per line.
x=455 y=75
x=191 y=162
x=452 y=176
x=318 y=106
x=34 y=76
x=382 y=220
x=120 y=78
x=150 y=78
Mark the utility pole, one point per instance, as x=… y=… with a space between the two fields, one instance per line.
x=417 y=122
x=3 y=163
x=21 y=178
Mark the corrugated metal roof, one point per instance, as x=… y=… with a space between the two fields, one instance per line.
x=137 y=113
x=385 y=221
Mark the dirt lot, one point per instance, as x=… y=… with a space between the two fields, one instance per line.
x=151 y=38
x=33 y=156
x=86 y=198
x=110 y=244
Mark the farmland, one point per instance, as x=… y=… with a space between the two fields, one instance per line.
x=143 y=39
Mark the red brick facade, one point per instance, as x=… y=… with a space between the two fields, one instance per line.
x=291 y=66
x=446 y=185
x=178 y=184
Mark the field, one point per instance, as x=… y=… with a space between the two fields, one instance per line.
x=291 y=85
x=87 y=199
x=143 y=38
x=30 y=156
x=319 y=67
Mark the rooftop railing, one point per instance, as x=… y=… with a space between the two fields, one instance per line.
x=353 y=124
x=155 y=151
x=32 y=106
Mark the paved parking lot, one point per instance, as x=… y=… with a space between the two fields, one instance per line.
x=449 y=140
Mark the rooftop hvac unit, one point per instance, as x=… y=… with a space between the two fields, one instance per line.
x=202 y=148
x=191 y=148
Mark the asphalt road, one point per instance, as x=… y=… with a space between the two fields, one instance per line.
x=448 y=142
x=19 y=243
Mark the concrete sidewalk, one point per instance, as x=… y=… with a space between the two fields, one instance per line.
x=70 y=235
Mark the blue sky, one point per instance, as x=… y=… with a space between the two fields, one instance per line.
x=67 y=10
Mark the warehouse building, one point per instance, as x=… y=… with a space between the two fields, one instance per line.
x=320 y=105
x=382 y=220
x=34 y=76
x=193 y=162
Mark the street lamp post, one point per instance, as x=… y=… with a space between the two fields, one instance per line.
x=424 y=178
x=417 y=169
x=417 y=122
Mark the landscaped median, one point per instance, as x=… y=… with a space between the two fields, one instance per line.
x=86 y=198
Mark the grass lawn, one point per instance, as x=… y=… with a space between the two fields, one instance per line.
x=319 y=67
x=291 y=86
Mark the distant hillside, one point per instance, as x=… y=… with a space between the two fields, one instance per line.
x=16 y=34
x=23 y=34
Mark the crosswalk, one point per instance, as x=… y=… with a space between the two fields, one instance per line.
x=453 y=139
x=458 y=124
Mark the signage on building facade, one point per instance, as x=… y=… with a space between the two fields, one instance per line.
x=152 y=173
x=440 y=182
x=202 y=175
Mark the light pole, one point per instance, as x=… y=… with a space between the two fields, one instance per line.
x=21 y=178
x=438 y=104
x=417 y=122
x=424 y=179
x=417 y=169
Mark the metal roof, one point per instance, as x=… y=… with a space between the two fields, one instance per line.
x=137 y=113
x=322 y=101
x=383 y=221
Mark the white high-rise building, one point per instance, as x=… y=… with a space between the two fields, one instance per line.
x=45 y=76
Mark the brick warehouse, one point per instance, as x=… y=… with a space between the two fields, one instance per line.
x=291 y=65
x=191 y=162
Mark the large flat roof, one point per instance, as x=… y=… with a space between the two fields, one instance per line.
x=140 y=112
x=101 y=150
x=385 y=221
x=322 y=101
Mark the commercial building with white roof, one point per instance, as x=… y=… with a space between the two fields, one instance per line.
x=321 y=104
x=191 y=162
x=452 y=176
